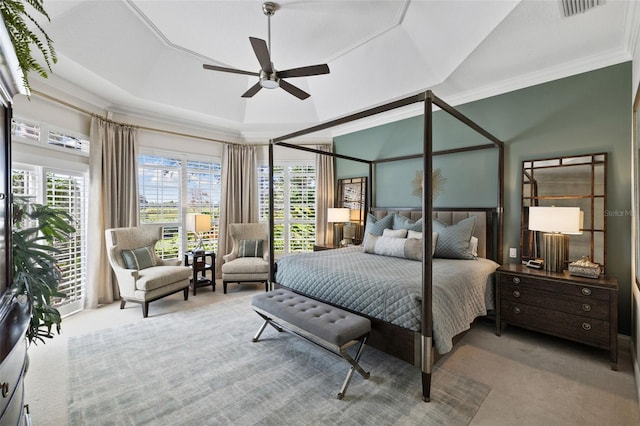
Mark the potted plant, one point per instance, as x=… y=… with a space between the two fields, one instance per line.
x=19 y=21
x=36 y=274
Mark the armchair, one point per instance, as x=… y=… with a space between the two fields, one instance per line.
x=249 y=258
x=141 y=275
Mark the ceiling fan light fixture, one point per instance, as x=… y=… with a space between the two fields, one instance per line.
x=269 y=81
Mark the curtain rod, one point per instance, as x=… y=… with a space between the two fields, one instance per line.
x=150 y=129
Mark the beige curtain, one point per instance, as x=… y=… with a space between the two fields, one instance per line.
x=113 y=201
x=239 y=195
x=325 y=194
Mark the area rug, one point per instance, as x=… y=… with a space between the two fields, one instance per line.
x=200 y=367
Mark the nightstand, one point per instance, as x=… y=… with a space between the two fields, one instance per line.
x=198 y=262
x=584 y=310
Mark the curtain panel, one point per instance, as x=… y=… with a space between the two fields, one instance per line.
x=325 y=193
x=113 y=201
x=239 y=194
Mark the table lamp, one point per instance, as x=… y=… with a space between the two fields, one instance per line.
x=338 y=216
x=198 y=223
x=556 y=223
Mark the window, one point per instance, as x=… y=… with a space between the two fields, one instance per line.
x=170 y=184
x=294 y=205
x=62 y=183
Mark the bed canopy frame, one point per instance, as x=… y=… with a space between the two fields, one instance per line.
x=429 y=99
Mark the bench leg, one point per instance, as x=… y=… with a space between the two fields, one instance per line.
x=269 y=321
x=354 y=367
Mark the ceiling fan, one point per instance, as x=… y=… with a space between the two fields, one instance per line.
x=269 y=77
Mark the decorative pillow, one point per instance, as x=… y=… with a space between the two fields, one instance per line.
x=402 y=222
x=394 y=233
x=376 y=226
x=473 y=246
x=418 y=236
x=454 y=240
x=396 y=247
x=414 y=234
x=140 y=258
x=250 y=248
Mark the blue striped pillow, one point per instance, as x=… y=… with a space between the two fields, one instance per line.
x=250 y=248
x=140 y=258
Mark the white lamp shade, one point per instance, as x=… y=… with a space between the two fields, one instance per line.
x=338 y=215
x=198 y=222
x=565 y=220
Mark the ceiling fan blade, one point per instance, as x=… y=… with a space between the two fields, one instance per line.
x=252 y=90
x=304 y=71
x=232 y=70
x=262 y=53
x=298 y=93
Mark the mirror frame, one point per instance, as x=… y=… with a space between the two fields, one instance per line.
x=352 y=193
x=529 y=240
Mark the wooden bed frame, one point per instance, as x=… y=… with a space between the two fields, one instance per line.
x=416 y=348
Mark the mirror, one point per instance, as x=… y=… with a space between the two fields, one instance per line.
x=577 y=181
x=352 y=193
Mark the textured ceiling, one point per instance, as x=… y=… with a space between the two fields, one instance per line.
x=145 y=57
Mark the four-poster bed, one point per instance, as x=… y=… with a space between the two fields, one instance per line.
x=412 y=344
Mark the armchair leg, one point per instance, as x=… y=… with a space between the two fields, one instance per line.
x=122 y=303
x=145 y=309
x=224 y=287
x=266 y=286
x=186 y=293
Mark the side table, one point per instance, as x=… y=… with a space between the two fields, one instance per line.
x=198 y=262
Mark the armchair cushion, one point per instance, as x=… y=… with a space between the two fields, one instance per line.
x=161 y=276
x=246 y=265
x=140 y=258
x=250 y=248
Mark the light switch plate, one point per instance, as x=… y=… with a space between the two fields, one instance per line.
x=513 y=252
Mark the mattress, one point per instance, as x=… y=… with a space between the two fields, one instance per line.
x=390 y=288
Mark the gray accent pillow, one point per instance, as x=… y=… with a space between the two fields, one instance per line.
x=407 y=248
x=454 y=240
x=402 y=222
x=250 y=248
x=140 y=258
x=376 y=226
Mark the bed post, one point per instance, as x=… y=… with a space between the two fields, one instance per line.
x=427 y=209
x=272 y=269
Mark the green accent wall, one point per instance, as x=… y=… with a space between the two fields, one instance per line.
x=581 y=114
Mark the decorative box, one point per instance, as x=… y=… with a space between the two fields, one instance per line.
x=584 y=268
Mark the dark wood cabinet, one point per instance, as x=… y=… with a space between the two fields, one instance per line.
x=584 y=310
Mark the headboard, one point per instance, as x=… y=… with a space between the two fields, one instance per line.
x=484 y=230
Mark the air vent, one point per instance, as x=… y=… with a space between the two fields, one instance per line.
x=572 y=7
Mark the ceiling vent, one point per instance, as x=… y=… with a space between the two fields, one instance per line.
x=572 y=7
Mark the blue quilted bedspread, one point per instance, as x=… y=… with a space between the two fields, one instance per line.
x=390 y=288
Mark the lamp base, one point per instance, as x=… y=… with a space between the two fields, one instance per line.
x=555 y=251
x=337 y=233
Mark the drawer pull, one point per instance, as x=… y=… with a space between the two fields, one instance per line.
x=5 y=389
x=516 y=293
x=516 y=310
x=586 y=307
x=586 y=326
x=586 y=291
x=516 y=280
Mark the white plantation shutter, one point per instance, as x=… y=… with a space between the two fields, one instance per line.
x=68 y=192
x=203 y=196
x=294 y=205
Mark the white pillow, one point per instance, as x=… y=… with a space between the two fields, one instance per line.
x=473 y=246
x=418 y=235
x=414 y=234
x=394 y=233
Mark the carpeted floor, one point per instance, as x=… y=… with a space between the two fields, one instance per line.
x=200 y=367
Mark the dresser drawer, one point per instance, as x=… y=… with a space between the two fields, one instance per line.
x=556 y=286
x=585 y=330
x=585 y=306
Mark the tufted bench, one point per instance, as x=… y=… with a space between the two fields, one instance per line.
x=325 y=325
